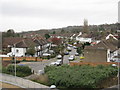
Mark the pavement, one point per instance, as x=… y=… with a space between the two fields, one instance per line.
x=115 y=87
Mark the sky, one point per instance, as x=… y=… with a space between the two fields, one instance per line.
x=27 y=15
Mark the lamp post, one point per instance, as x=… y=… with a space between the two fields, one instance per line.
x=118 y=73
x=15 y=61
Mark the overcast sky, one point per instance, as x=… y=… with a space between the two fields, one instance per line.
x=25 y=15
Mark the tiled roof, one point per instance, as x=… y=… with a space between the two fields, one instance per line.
x=111 y=44
x=40 y=41
x=21 y=44
x=11 y=41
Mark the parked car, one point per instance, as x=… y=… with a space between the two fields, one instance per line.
x=71 y=58
x=74 y=47
x=57 y=63
x=70 y=45
x=46 y=54
x=51 y=51
x=52 y=63
x=66 y=53
x=59 y=57
x=76 y=54
x=69 y=48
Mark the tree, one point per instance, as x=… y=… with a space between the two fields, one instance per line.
x=62 y=31
x=54 y=32
x=47 y=36
x=61 y=51
x=60 y=48
x=79 y=50
x=31 y=51
x=10 y=33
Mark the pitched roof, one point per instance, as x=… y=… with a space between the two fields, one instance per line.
x=40 y=41
x=21 y=44
x=10 y=41
x=111 y=44
x=29 y=42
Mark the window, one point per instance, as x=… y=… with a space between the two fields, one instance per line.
x=17 y=51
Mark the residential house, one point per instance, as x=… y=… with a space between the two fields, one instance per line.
x=18 y=46
x=104 y=51
x=7 y=43
x=110 y=35
x=42 y=45
x=83 y=38
x=117 y=57
x=18 y=49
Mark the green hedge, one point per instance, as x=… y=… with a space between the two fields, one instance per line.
x=21 y=71
x=84 y=76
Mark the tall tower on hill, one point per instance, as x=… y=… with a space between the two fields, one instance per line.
x=85 y=27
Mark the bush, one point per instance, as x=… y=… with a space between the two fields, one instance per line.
x=13 y=61
x=84 y=76
x=79 y=50
x=21 y=71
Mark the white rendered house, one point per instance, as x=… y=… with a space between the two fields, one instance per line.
x=18 y=49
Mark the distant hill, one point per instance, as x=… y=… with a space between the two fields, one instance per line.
x=75 y=29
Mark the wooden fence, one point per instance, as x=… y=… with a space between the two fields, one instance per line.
x=92 y=63
x=22 y=58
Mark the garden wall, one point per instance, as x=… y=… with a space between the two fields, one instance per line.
x=92 y=63
x=22 y=58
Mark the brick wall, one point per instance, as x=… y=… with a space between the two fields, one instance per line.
x=95 y=55
x=22 y=58
x=92 y=63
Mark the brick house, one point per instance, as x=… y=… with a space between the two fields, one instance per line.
x=104 y=51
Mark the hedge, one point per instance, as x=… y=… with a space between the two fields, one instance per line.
x=84 y=76
x=21 y=71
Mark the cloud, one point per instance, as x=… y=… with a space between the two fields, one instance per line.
x=56 y=13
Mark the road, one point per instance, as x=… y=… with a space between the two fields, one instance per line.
x=40 y=65
x=73 y=51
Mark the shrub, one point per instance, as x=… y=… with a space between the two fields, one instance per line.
x=13 y=61
x=84 y=76
x=21 y=71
